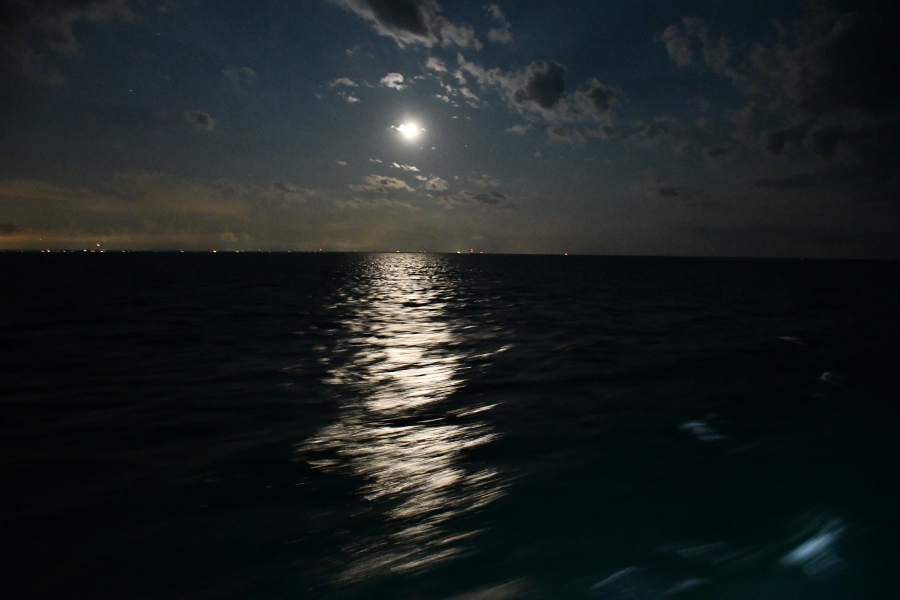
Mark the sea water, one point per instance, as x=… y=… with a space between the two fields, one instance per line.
x=416 y=426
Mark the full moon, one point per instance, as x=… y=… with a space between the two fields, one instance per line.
x=409 y=130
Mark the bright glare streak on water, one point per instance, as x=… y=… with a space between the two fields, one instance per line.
x=403 y=355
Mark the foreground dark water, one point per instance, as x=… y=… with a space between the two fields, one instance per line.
x=426 y=426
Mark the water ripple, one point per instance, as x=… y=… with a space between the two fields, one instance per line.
x=402 y=356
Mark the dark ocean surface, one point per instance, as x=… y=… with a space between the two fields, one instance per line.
x=349 y=426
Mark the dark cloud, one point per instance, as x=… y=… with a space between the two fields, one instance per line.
x=831 y=175
x=687 y=197
x=545 y=85
x=401 y=15
x=412 y=22
x=667 y=192
x=863 y=161
x=286 y=188
x=716 y=152
x=854 y=67
x=824 y=141
x=30 y=28
x=9 y=229
x=603 y=97
x=663 y=130
x=878 y=144
x=541 y=88
x=825 y=87
x=829 y=65
x=597 y=102
x=200 y=119
x=775 y=141
x=493 y=198
x=488 y=197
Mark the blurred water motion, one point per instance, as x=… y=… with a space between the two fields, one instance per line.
x=349 y=426
x=402 y=358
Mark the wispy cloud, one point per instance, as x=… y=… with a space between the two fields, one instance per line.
x=437 y=184
x=28 y=27
x=240 y=77
x=342 y=81
x=466 y=197
x=503 y=33
x=199 y=119
x=436 y=64
x=372 y=203
x=484 y=180
x=565 y=134
x=381 y=184
x=393 y=81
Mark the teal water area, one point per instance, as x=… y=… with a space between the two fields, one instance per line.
x=414 y=426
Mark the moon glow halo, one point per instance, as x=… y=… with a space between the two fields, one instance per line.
x=409 y=130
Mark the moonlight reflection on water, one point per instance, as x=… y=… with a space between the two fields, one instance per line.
x=400 y=361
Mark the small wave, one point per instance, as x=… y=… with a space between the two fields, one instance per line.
x=702 y=431
x=816 y=555
x=696 y=552
x=475 y=411
x=686 y=585
x=512 y=589
x=831 y=378
x=792 y=340
x=636 y=583
x=614 y=577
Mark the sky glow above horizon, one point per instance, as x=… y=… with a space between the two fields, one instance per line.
x=687 y=128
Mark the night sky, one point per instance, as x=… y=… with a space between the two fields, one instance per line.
x=713 y=128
